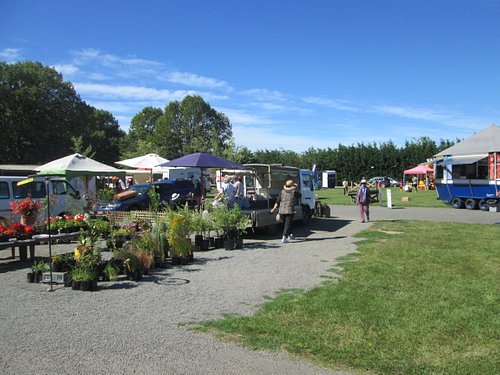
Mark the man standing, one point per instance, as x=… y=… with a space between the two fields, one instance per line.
x=238 y=186
x=363 y=200
x=345 y=185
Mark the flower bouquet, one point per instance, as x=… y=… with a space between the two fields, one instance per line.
x=25 y=207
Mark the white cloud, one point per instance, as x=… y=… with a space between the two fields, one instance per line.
x=190 y=79
x=11 y=55
x=66 y=69
x=265 y=95
x=341 y=105
x=85 y=56
x=243 y=118
x=129 y=92
x=412 y=113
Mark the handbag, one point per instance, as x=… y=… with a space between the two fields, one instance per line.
x=278 y=217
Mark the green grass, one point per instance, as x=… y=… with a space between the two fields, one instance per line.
x=424 y=198
x=418 y=298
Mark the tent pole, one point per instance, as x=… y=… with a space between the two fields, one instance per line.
x=47 y=184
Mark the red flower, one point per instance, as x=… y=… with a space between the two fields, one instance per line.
x=26 y=207
x=28 y=229
x=17 y=227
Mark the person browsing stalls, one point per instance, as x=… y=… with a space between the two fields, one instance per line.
x=286 y=201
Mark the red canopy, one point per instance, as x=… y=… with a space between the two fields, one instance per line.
x=419 y=169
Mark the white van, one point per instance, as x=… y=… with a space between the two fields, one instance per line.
x=64 y=198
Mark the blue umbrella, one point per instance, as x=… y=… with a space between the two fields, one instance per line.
x=202 y=160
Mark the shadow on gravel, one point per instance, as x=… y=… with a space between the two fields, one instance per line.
x=300 y=239
x=319 y=224
x=13 y=265
x=117 y=285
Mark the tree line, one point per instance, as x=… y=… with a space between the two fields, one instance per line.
x=42 y=118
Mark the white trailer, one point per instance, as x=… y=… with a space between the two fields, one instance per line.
x=328 y=179
x=262 y=185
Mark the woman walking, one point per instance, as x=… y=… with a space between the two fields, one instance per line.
x=286 y=201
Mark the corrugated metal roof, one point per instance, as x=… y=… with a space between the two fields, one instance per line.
x=487 y=140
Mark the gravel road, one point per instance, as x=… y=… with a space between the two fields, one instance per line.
x=128 y=327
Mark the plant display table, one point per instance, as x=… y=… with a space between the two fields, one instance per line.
x=9 y=245
x=23 y=246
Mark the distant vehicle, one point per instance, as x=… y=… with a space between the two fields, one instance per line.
x=469 y=181
x=137 y=198
x=385 y=181
x=262 y=183
x=65 y=197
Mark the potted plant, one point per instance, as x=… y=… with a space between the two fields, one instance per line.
x=28 y=209
x=200 y=225
x=5 y=233
x=38 y=269
x=159 y=241
x=83 y=279
x=231 y=222
x=76 y=277
x=110 y=272
x=120 y=236
x=88 y=279
x=179 y=229
x=131 y=265
x=88 y=260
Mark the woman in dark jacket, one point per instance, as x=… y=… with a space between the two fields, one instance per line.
x=286 y=201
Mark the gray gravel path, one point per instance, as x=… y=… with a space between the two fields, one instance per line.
x=127 y=327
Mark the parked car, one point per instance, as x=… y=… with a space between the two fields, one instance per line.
x=385 y=181
x=136 y=197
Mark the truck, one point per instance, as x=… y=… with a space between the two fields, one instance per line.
x=262 y=183
x=470 y=181
x=64 y=198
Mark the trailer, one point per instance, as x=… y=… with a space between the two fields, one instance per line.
x=470 y=181
x=262 y=183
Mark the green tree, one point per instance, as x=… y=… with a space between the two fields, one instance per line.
x=140 y=138
x=105 y=137
x=42 y=118
x=189 y=126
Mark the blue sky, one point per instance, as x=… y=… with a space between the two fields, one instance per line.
x=289 y=74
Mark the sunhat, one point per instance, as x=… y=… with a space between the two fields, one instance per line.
x=290 y=185
x=175 y=196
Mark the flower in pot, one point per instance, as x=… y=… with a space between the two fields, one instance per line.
x=88 y=260
x=5 y=233
x=28 y=209
x=179 y=229
x=22 y=232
